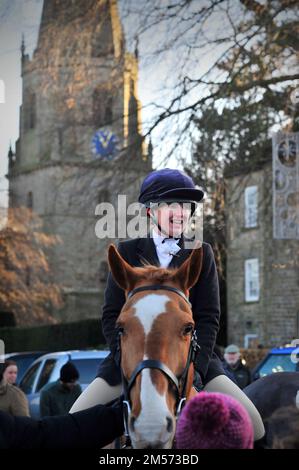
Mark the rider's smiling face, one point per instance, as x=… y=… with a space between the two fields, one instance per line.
x=172 y=217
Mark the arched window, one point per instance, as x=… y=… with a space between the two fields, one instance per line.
x=102 y=108
x=98 y=107
x=102 y=39
x=30 y=111
x=108 y=111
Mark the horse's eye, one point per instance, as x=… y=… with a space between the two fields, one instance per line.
x=121 y=330
x=188 y=330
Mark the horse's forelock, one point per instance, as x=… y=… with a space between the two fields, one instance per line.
x=154 y=275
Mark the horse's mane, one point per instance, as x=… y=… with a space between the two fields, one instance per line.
x=154 y=274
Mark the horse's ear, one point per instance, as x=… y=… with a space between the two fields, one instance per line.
x=122 y=272
x=187 y=274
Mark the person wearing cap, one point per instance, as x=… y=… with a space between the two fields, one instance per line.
x=57 y=398
x=233 y=365
x=170 y=198
x=214 y=421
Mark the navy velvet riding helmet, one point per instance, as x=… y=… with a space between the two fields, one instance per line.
x=168 y=185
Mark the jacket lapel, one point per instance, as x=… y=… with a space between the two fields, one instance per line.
x=146 y=251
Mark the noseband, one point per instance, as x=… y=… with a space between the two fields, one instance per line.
x=179 y=383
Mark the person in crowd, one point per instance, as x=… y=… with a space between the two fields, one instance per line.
x=233 y=365
x=219 y=353
x=57 y=398
x=10 y=372
x=12 y=399
x=214 y=421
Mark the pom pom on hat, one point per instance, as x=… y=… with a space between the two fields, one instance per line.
x=214 y=421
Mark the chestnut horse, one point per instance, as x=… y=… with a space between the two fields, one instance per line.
x=157 y=345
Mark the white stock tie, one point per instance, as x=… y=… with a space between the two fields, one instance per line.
x=166 y=249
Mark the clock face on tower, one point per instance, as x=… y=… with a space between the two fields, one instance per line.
x=104 y=144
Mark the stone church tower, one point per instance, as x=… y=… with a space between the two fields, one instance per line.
x=80 y=140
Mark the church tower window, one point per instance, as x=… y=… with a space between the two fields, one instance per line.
x=102 y=108
x=108 y=111
x=30 y=111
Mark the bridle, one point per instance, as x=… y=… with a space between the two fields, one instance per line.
x=180 y=383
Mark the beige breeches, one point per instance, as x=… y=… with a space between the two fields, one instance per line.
x=100 y=392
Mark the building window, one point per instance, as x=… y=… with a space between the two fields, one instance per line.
x=32 y=111
x=98 y=107
x=30 y=200
x=102 y=43
x=252 y=280
x=102 y=108
x=251 y=209
x=108 y=111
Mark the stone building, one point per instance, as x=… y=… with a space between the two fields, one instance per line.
x=80 y=140
x=262 y=269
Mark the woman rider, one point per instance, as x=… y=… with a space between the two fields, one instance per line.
x=165 y=246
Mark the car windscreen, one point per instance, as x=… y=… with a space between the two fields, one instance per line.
x=87 y=369
x=27 y=381
x=23 y=362
x=46 y=373
x=277 y=363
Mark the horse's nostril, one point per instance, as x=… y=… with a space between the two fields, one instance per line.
x=169 y=424
x=132 y=423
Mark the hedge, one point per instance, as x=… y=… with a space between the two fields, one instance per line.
x=76 y=335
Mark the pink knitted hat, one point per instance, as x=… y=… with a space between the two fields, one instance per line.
x=214 y=421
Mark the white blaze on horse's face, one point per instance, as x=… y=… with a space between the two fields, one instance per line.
x=149 y=308
x=154 y=426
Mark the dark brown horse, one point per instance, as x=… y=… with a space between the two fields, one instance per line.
x=273 y=391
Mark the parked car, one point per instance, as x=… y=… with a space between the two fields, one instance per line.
x=277 y=360
x=46 y=370
x=23 y=361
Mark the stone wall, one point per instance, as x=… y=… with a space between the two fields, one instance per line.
x=274 y=317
